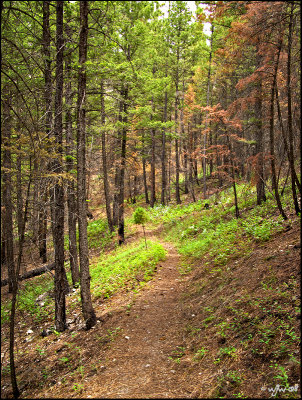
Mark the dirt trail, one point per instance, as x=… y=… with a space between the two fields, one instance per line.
x=138 y=364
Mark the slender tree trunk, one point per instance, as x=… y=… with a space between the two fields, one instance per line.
x=169 y=171
x=185 y=147
x=19 y=187
x=71 y=195
x=104 y=159
x=190 y=151
x=177 y=166
x=163 y=155
x=121 y=223
x=284 y=137
x=14 y=383
x=7 y=213
x=152 y=192
x=117 y=177
x=237 y=214
x=144 y=168
x=272 y=139
x=48 y=121
x=57 y=192
x=204 y=165
x=289 y=111
x=195 y=145
x=259 y=140
x=87 y=309
x=134 y=188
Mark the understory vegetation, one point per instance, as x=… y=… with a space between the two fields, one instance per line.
x=245 y=304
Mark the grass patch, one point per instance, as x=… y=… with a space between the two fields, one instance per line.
x=98 y=235
x=214 y=233
x=26 y=299
x=132 y=264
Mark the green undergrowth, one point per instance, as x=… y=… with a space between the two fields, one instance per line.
x=27 y=299
x=244 y=301
x=132 y=264
x=214 y=232
x=98 y=235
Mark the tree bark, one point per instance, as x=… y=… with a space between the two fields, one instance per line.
x=163 y=155
x=289 y=111
x=121 y=223
x=104 y=160
x=115 y=214
x=177 y=167
x=70 y=154
x=152 y=191
x=7 y=214
x=14 y=383
x=259 y=140
x=204 y=165
x=57 y=192
x=284 y=137
x=47 y=126
x=144 y=168
x=190 y=151
x=87 y=309
x=183 y=139
x=271 y=136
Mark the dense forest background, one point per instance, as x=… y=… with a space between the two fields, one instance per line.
x=108 y=103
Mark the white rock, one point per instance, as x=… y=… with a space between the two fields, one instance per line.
x=29 y=331
x=127 y=337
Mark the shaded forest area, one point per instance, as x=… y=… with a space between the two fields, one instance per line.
x=110 y=108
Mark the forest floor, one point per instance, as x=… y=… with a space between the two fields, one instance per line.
x=191 y=333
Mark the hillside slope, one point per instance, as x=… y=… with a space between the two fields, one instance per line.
x=202 y=327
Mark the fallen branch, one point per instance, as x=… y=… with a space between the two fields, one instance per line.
x=32 y=273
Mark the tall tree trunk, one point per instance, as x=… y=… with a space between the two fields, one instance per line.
x=259 y=140
x=204 y=165
x=121 y=223
x=19 y=186
x=233 y=176
x=115 y=211
x=7 y=214
x=14 y=383
x=70 y=153
x=163 y=155
x=48 y=121
x=289 y=110
x=190 y=151
x=144 y=168
x=134 y=188
x=284 y=136
x=271 y=136
x=177 y=166
x=195 y=145
x=169 y=170
x=184 y=142
x=57 y=192
x=152 y=191
x=104 y=160
x=87 y=309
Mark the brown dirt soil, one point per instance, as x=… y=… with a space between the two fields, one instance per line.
x=139 y=364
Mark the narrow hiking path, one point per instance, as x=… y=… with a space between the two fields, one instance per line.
x=137 y=364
